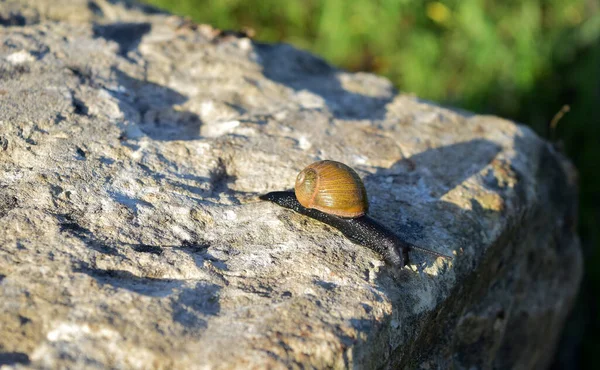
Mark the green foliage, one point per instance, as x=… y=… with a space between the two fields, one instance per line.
x=520 y=59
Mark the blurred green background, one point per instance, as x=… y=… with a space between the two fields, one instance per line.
x=519 y=59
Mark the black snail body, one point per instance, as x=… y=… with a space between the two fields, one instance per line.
x=333 y=193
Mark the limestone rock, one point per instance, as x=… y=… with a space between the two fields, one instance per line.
x=133 y=146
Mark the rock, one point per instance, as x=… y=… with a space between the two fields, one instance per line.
x=133 y=146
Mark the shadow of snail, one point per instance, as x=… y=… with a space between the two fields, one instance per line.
x=333 y=193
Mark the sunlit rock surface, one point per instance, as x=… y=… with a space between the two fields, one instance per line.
x=133 y=146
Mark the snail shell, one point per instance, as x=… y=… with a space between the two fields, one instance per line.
x=332 y=187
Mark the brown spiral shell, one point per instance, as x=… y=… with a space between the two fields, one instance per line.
x=332 y=187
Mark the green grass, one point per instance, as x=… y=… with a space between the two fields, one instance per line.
x=517 y=59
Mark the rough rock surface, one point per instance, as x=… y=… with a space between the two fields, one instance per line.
x=133 y=145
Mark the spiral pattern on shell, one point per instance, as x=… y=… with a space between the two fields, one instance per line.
x=332 y=187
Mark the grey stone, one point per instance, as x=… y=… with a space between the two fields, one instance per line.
x=133 y=146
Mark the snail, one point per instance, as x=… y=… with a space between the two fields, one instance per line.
x=333 y=193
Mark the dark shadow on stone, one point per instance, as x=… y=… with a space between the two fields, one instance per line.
x=325 y=284
x=14 y=358
x=363 y=325
x=8 y=202
x=106 y=161
x=145 y=248
x=13 y=71
x=198 y=251
x=131 y=203
x=194 y=303
x=14 y=20
x=285 y=363
x=201 y=192
x=217 y=185
x=127 y=35
x=301 y=70
x=259 y=289
x=79 y=106
x=95 y=8
x=156 y=105
x=450 y=165
x=121 y=279
x=190 y=305
x=447 y=167
x=69 y=225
